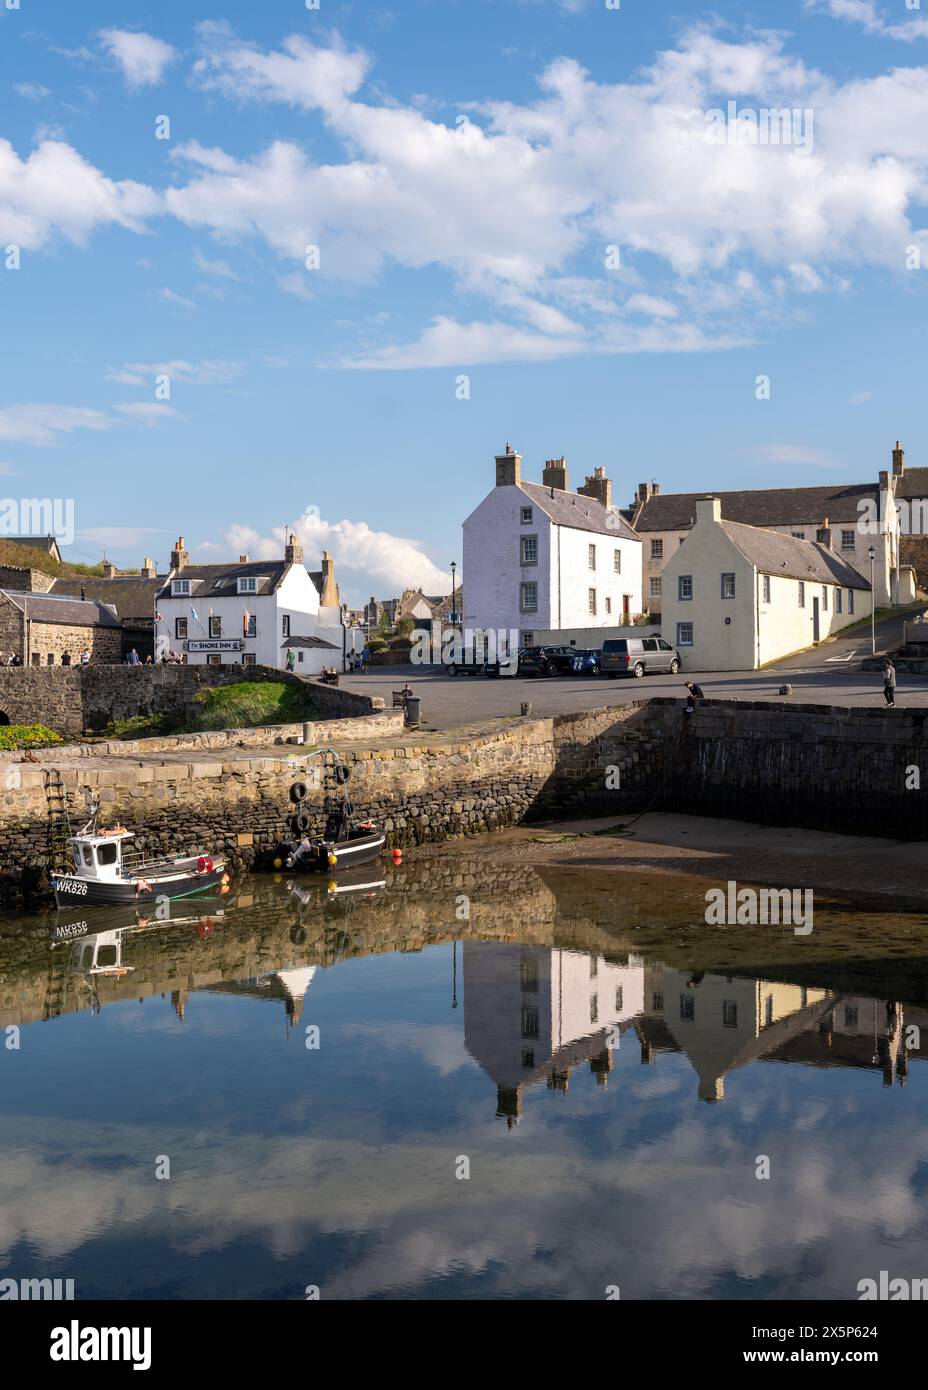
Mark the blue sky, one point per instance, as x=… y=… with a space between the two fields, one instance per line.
x=462 y=167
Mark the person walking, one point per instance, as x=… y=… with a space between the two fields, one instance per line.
x=291 y=659
x=365 y=658
x=889 y=683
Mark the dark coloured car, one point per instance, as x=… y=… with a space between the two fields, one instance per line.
x=585 y=663
x=638 y=656
x=535 y=661
x=561 y=659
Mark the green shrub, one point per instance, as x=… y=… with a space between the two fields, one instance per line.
x=377 y=644
x=251 y=704
x=27 y=736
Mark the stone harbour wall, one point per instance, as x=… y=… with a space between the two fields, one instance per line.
x=778 y=764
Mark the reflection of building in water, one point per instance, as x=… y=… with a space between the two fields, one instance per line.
x=723 y=1022
x=290 y=985
x=531 y=1012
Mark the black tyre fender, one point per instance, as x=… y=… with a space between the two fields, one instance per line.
x=298 y=792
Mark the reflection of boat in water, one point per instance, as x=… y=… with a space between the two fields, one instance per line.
x=103 y=873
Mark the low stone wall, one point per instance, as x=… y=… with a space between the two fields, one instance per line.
x=322 y=732
x=72 y=700
x=847 y=770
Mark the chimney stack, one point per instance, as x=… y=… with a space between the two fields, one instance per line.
x=508 y=468
x=898 y=460
x=823 y=534
x=329 y=597
x=293 y=551
x=179 y=556
x=598 y=486
x=555 y=474
x=109 y=569
x=149 y=569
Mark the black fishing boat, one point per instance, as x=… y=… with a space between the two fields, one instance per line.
x=105 y=874
x=346 y=841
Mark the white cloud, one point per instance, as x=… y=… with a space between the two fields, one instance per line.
x=861 y=397
x=32 y=91
x=368 y=559
x=797 y=454
x=220 y=268
x=45 y=424
x=142 y=58
x=148 y=413
x=872 y=18
x=57 y=193
x=511 y=206
x=169 y=296
x=208 y=372
x=118 y=536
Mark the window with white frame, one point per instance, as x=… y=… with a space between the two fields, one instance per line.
x=215 y=627
x=684 y=634
x=248 y=659
x=591 y=557
x=798 y=535
x=251 y=629
x=525 y=516
x=657 y=550
x=848 y=540
x=824 y=598
x=850 y=600
x=285 y=625
x=247 y=584
x=765 y=588
x=528 y=598
x=180 y=627
x=214 y=659
x=180 y=588
x=617 y=562
x=608 y=605
x=528 y=550
x=802 y=594
x=591 y=601
x=728 y=586
x=655 y=585
x=684 y=587
x=838 y=598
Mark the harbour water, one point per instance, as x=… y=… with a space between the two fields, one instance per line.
x=461 y=1080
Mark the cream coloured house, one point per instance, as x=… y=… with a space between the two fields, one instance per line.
x=736 y=597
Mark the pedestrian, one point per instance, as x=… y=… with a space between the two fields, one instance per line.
x=889 y=683
x=291 y=659
x=365 y=658
x=133 y=658
x=693 y=693
x=85 y=657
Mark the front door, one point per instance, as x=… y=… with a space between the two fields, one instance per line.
x=626 y=608
x=815 y=623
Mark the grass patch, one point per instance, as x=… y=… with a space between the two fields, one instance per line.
x=245 y=705
x=27 y=736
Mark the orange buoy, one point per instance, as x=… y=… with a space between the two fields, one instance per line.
x=397 y=856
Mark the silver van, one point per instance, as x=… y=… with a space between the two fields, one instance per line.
x=638 y=656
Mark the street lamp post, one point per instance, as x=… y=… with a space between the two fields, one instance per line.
x=871 y=552
x=454 y=615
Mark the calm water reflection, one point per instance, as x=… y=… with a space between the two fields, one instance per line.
x=610 y=1067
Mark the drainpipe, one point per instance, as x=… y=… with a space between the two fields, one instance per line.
x=757 y=582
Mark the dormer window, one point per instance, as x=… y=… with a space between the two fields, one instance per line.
x=180 y=588
x=247 y=584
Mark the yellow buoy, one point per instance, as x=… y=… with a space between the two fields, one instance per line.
x=333 y=860
x=278 y=863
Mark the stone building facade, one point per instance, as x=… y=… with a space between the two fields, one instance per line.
x=47 y=630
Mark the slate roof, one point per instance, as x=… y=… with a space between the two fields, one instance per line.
x=309 y=642
x=582 y=513
x=133 y=596
x=221 y=581
x=57 y=608
x=771 y=552
x=775 y=506
x=913 y=483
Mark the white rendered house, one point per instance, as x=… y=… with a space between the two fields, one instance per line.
x=251 y=613
x=540 y=557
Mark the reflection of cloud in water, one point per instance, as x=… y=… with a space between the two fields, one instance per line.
x=438 y=1044
x=672 y=1219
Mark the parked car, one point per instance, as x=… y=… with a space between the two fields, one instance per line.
x=536 y=661
x=561 y=659
x=638 y=656
x=586 y=663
